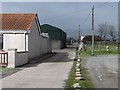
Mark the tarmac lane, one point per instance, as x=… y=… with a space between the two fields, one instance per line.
x=103 y=70
x=51 y=73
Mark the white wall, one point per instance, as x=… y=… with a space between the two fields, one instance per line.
x=49 y=45
x=37 y=44
x=11 y=58
x=16 y=41
x=34 y=43
x=21 y=58
x=56 y=44
x=16 y=58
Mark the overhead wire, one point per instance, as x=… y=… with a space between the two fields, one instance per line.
x=91 y=11
x=77 y=11
x=101 y=5
x=74 y=12
x=87 y=18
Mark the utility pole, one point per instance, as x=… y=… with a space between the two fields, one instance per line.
x=93 y=30
x=79 y=35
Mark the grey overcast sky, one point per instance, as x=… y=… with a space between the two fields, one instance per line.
x=68 y=15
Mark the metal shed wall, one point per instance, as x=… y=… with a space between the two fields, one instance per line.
x=55 y=34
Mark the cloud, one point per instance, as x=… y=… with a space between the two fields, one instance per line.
x=67 y=15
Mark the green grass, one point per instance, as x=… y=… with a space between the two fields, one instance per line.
x=8 y=71
x=4 y=69
x=71 y=78
x=101 y=49
x=98 y=50
x=86 y=83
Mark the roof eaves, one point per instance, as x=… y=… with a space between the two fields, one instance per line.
x=14 y=31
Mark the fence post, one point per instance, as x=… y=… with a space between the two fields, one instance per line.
x=11 y=58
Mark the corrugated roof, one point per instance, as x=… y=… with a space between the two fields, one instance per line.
x=16 y=21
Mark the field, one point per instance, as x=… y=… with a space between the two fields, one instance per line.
x=101 y=48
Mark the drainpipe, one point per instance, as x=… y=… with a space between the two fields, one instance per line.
x=26 y=39
x=25 y=42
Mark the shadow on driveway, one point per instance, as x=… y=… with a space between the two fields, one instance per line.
x=54 y=57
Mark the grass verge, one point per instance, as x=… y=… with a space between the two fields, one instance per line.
x=86 y=83
x=88 y=53
x=8 y=71
x=71 y=78
x=101 y=49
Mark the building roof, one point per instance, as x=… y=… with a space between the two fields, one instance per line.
x=16 y=21
x=51 y=27
x=55 y=33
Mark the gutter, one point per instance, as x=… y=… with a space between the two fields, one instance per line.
x=14 y=31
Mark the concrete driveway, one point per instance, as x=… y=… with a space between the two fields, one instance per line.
x=52 y=73
x=103 y=70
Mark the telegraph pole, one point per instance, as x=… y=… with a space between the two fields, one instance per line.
x=93 y=30
x=79 y=31
x=79 y=34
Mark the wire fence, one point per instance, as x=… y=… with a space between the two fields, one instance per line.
x=102 y=46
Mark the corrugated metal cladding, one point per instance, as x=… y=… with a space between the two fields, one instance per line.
x=54 y=33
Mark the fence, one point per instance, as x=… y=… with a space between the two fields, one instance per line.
x=101 y=46
x=3 y=58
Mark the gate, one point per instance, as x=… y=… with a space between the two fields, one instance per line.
x=3 y=58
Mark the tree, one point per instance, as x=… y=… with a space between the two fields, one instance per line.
x=103 y=29
x=112 y=32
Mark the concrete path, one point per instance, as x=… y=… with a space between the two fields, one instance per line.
x=52 y=73
x=103 y=70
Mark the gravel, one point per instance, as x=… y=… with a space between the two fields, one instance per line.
x=103 y=70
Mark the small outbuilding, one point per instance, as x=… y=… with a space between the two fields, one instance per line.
x=57 y=35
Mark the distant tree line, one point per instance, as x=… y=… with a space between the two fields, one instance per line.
x=104 y=29
x=88 y=38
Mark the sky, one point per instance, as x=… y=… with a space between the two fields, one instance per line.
x=68 y=15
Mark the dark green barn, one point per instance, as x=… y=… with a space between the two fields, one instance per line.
x=57 y=35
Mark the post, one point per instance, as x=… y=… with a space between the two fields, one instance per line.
x=93 y=30
x=79 y=34
x=12 y=58
x=79 y=31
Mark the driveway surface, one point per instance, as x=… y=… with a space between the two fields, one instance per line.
x=103 y=70
x=52 y=73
